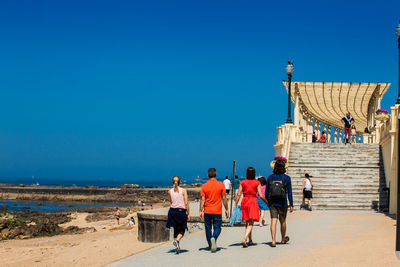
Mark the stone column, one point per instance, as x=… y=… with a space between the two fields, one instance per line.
x=296 y=109
x=328 y=134
x=317 y=127
x=335 y=140
x=340 y=135
x=309 y=129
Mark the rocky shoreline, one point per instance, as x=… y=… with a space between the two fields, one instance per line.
x=31 y=224
x=24 y=224
x=122 y=194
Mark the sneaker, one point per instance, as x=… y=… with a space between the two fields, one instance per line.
x=213 y=244
x=176 y=245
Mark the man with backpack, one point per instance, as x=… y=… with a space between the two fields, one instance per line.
x=278 y=190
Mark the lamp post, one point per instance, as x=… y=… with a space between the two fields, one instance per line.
x=289 y=70
x=398 y=159
x=398 y=43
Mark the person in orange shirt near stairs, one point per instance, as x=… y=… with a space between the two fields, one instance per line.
x=213 y=195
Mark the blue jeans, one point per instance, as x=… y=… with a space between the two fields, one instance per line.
x=214 y=220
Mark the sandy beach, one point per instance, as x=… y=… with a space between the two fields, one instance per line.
x=107 y=244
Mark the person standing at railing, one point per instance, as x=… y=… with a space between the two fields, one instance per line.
x=347 y=125
x=353 y=135
x=314 y=137
x=322 y=138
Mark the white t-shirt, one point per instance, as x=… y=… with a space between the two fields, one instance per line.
x=227 y=184
x=308 y=186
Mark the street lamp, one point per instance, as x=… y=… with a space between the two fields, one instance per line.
x=398 y=42
x=398 y=159
x=289 y=70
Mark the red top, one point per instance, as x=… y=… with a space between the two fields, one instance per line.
x=323 y=139
x=213 y=191
x=249 y=187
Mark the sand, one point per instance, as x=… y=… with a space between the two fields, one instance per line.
x=88 y=249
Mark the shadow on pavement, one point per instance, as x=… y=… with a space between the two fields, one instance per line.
x=268 y=243
x=240 y=244
x=207 y=249
x=174 y=251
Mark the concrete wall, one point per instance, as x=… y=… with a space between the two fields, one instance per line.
x=388 y=143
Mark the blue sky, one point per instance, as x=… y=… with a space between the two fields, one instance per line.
x=148 y=89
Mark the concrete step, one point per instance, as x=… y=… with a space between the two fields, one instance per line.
x=345 y=176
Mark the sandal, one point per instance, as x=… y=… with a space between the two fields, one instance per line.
x=285 y=240
x=251 y=243
x=273 y=245
x=244 y=244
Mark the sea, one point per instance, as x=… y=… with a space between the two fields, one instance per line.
x=18 y=205
x=88 y=182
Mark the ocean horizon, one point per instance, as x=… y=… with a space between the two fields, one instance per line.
x=100 y=182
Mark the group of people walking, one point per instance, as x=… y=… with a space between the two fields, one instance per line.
x=274 y=193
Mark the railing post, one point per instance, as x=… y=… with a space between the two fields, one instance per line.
x=340 y=135
x=309 y=129
x=335 y=140
x=317 y=126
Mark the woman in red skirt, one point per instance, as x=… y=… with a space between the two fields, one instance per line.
x=250 y=213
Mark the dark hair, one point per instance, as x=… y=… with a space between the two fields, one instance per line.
x=280 y=167
x=179 y=179
x=262 y=180
x=226 y=177
x=251 y=173
x=323 y=132
x=212 y=173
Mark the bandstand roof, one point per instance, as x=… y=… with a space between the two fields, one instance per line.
x=329 y=101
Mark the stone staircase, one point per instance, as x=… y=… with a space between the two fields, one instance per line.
x=344 y=176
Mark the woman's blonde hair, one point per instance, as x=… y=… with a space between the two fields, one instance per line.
x=179 y=179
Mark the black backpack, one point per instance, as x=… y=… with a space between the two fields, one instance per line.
x=277 y=190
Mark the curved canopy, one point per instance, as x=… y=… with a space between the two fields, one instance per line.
x=329 y=101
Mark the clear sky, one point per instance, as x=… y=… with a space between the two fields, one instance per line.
x=148 y=89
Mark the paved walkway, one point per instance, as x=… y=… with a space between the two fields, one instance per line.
x=310 y=234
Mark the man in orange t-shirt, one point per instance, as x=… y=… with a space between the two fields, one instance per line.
x=212 y=196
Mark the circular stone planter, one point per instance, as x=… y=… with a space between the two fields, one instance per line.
x=382 y=116
x=152 y=227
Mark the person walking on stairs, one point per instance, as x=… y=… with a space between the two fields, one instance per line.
x=213 y=195
x=307 y=191
x=347 y=119
x=178 y=214
x=250 y=212
x=277 y=192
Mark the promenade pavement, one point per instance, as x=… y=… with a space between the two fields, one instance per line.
x=318 y=238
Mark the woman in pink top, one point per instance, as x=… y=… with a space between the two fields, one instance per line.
x=178 y=214
x=261 y=204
